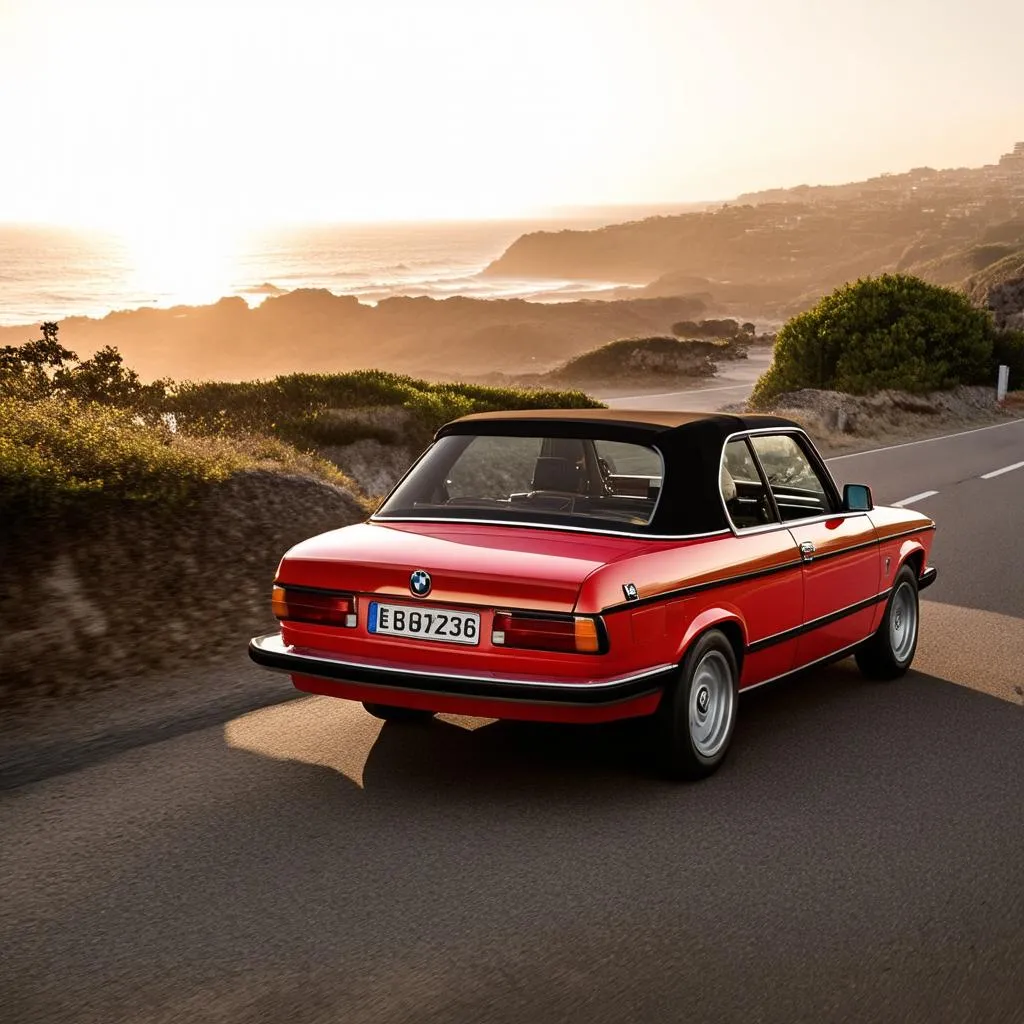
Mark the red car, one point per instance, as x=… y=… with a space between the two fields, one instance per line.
x=590 y=565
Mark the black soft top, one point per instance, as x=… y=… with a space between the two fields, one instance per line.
x=691 y=444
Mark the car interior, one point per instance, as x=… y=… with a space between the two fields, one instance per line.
x=569 y=477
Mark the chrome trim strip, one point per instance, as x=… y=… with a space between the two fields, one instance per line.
x=384 y=520
x=904 y=533
x=834 y=656
x=695 y=588
x=272 y=643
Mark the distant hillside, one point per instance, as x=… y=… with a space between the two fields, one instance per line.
x=772 y=254
x=316 y=331
x=1000 y=288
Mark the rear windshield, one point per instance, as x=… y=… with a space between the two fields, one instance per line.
x=554 y=480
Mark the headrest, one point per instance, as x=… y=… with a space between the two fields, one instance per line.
x=727 y=484
x=551 y=474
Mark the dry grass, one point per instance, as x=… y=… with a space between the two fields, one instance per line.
x=62 y=453
x=842 y=423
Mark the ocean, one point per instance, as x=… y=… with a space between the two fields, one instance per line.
x=49 y=273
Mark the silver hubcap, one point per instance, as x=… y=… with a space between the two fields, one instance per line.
x=903 y=622
x=711 y=704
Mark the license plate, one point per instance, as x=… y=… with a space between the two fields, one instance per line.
x=424 y=623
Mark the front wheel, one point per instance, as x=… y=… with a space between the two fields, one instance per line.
x=390 y=713
x=891 y=648
x=695 y=720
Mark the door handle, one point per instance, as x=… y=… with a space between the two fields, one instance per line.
x=807 y=550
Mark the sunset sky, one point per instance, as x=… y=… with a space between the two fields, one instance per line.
x=121 y=112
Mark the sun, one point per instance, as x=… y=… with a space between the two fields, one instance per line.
x=182 y=261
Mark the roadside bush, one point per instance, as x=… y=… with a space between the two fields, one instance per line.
x=61 y=452
x=302 y=408
x=56 y=449
x=893 y=331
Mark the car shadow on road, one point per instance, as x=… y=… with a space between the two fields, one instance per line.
x=820 y=721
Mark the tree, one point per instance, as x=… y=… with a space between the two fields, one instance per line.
x=29 y=369
x=44 y=367
x=893 y=331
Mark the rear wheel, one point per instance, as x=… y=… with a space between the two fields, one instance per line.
x=695 y=720
x=891 y=648
x=390 y=713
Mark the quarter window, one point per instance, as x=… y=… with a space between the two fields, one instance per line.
x=743 y=491
x=798 y=489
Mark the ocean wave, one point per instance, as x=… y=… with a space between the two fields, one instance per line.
x=50 y=277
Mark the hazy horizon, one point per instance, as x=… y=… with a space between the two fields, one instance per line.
x=138 y=117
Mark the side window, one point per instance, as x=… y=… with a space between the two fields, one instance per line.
x=798 y=490
x=745 y=497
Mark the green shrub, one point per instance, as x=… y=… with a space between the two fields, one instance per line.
x=56 y=449
x=893 y=331
x=58 y=452
x=302 y=408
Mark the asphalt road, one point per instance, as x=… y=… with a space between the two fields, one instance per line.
x=732 y=384
x=859 y=857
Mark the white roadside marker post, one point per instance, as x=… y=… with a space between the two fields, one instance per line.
x=1002 y=384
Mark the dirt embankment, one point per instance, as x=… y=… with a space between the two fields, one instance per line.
x=90 y=600
x=841 y=422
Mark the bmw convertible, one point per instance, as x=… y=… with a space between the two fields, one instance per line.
x=591 y=565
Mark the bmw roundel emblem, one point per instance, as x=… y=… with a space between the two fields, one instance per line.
x=419 y=583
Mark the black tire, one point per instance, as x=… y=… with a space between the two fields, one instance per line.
x=889 y=651
x=390 y=713
x=678 y=748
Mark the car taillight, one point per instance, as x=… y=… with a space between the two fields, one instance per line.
x=573 y=634
x=314 y=606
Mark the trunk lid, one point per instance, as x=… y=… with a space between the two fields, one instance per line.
x=491 y=566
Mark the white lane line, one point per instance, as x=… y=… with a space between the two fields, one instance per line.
x=927 y=440
x=1000 y=472
x=913 y=498
x=672 y=394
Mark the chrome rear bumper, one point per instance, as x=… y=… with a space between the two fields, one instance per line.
x=271 y=652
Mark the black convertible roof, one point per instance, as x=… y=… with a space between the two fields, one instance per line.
x=576 y=422
x=690 y=442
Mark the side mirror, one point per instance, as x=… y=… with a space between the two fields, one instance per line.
x=857 y=498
